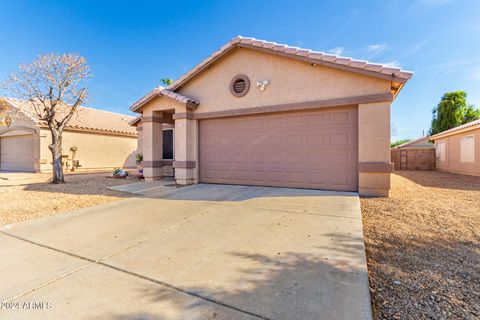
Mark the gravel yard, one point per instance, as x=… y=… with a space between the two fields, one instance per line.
x=30 y=196
x=423 y=247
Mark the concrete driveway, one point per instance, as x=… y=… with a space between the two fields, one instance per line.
x=198 y=252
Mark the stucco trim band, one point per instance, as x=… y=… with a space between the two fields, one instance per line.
x=184 y=115
x=153 y=119
x=185 y=164
x=156 y=163
x=294 y=106
x=375 y=167
x=91 y=131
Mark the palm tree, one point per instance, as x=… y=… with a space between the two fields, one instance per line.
x=167 y=81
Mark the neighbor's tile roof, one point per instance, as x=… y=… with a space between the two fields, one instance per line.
x=406 y=144
x=314 y=56
x=135 y=120
x=464 y=127
x=161 y=91
x=84 y=118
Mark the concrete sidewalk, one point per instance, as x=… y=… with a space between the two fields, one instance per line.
x=198 y=252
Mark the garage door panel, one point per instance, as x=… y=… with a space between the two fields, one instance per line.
x=340 y=139
x=315 y=119
x=311 y=149
x=340 y=160
x=295 y=121
x=257 y=124
x=316 y=139
x=340 y=117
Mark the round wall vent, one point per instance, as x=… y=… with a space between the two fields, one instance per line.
x=239 y=85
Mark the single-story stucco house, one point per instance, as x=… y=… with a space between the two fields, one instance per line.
x=422 y=142
x=458 y=149
x=267 y=114
x=93 y=140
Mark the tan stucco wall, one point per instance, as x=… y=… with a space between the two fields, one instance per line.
x=452 y=161
x=290 y=81
x=139 y=138
x=94 y=151
x=186 y=149
x=374 y=146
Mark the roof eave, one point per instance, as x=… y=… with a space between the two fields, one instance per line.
x=135 y=121
x=142 y=101
x=454 y=132
x=92 y=130
x=305 y=55
x=161 y=92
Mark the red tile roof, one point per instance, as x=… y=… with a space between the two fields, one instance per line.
x=84 y=118
x=464 y=127
x=331 y=60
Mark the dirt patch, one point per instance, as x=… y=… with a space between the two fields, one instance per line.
x=423 y=247
x=30 y=196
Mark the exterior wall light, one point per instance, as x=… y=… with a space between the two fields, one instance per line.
x=263 y=84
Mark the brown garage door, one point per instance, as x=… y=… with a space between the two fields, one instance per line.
x=16 y=153
x=308 y=149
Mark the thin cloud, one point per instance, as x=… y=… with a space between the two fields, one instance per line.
x=393 y=63
x=418 y=46
x=466 y=67
x=453 y=64
x=376 y=49
x=337 y=51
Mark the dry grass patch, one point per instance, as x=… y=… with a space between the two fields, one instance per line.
x=31 y=196
x=423 y=247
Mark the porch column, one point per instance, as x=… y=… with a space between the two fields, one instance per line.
x=186 y=151
x=152 y=146
x=374 y=165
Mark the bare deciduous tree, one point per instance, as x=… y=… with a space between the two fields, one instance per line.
x=55 y=86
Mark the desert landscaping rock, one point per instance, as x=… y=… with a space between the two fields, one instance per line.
x=422 y=247
x=31 y=196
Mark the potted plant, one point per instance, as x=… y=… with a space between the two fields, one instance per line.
x=139 y=159
x=119 y=173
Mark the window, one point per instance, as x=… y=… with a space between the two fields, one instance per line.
x=167 y=143
x=239 y=85
x=440 y=151
x=467 y=149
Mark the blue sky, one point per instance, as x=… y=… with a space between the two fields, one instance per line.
x=131 y=45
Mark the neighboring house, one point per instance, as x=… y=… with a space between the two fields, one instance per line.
x=267 y=114
x=458 y=149
x=422 y=142
x=418 y=154
x=92 y=140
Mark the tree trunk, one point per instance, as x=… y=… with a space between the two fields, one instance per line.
x=56 y=149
